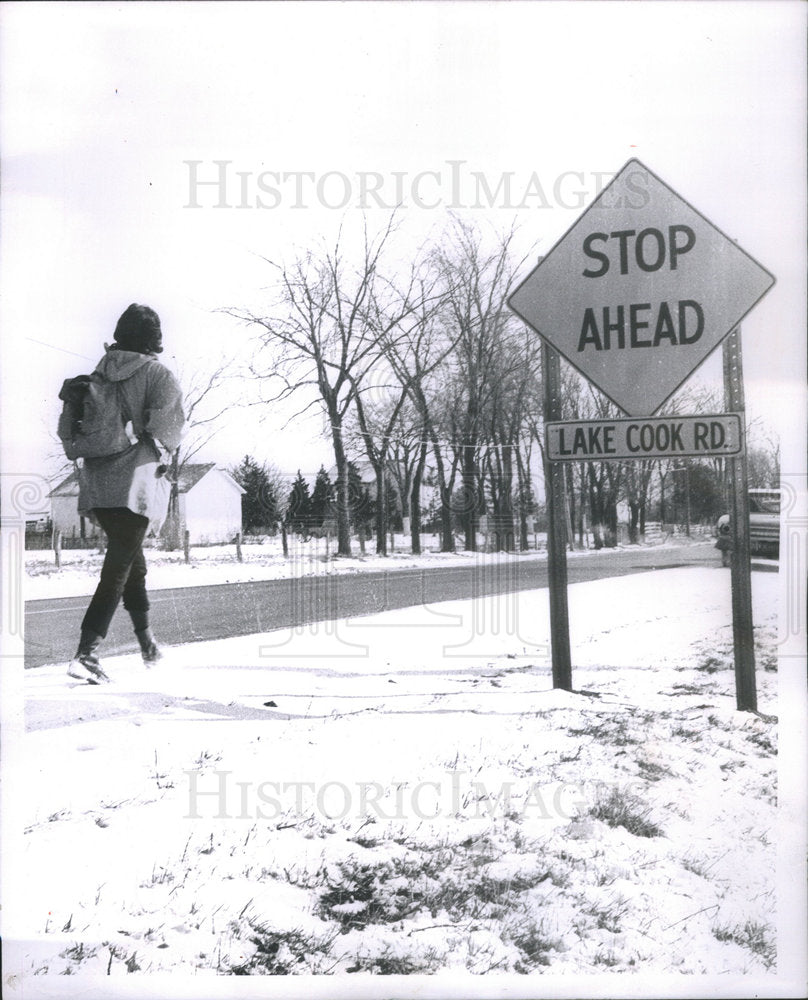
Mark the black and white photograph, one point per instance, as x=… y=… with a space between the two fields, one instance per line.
x=403 y=488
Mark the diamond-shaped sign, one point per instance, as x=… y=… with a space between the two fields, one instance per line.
x=639 y=291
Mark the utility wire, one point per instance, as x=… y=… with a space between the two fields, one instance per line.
x=63 y=350
x=417 y=442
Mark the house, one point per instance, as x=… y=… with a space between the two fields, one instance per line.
x=209 y=502
x=64 y=513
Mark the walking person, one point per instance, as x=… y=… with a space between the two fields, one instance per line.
x=127 y=493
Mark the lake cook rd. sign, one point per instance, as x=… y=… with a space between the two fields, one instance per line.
x=651 y=437
x=640 y=291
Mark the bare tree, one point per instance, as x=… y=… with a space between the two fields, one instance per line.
x=673 y=474
x=418 y=361
x=763 y=462
x=398 y=320
x=408 y=453
x=510 y=401
x=324 y=334
x=205 y=403
x=478 y=281
x=413 y=349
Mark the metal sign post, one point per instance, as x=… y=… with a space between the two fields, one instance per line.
x=741 y=571
x=556 y=531
x=636 y=295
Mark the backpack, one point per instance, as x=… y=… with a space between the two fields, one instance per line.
x=92 y=423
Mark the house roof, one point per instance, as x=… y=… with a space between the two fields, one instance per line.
x=68 y=487
x=190 y=474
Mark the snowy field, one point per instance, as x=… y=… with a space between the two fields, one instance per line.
x=215 y=564
x=406 y=795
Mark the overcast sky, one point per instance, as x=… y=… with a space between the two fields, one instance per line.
x=103 y=105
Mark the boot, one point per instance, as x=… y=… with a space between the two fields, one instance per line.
x=85 y=665
x=148 y=647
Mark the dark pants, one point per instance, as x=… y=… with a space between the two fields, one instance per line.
x=123 y=573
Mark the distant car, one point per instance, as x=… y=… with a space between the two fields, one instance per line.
x=764 y=522
x=764 y=525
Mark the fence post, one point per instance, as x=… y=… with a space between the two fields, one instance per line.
x=57 y=548
x=285 y=541
x=186 y=545
x=238 y=547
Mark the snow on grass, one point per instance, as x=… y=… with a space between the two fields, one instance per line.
x=263 y=560
x=216 y=564
x=406 y=794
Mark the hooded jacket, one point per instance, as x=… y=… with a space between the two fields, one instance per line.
x=135 y=478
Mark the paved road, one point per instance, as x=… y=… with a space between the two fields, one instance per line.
x=195 y=613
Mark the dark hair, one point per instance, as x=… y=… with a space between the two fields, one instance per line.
x=139 y=330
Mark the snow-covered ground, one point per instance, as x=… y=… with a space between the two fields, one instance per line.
x=405 y=794
x=216 y=564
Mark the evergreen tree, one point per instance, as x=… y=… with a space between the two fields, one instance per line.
x=322 y=499
x=259 y=503
x=393 y=507
x=699 y=491
x=299 y=506
x=362 y=505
